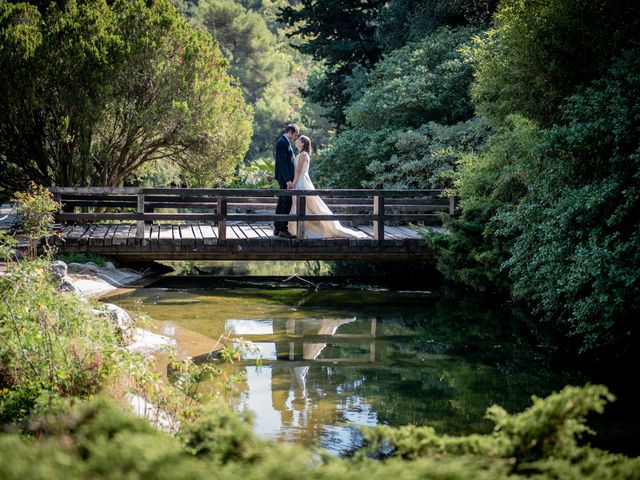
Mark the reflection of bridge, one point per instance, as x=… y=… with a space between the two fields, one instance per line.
x=285 y=394
x=231 y=224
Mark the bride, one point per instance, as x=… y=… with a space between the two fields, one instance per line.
x=315 y=205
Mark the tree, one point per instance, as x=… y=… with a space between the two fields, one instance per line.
x=408 y=21
x=487 y=182
x=91 y=91
x=341 y=34
x=576 y=254
x=411 y=93
x=538 y=52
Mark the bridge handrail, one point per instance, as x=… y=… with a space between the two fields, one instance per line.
x=144 y=199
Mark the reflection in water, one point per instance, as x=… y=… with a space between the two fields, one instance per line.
x=277 y=393
x=346 y=358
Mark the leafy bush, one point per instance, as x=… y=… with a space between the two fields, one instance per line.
x=51 y=344
x=410 y=92
x=486 y=183
x=426 y=157
x=541 y=442
x=36 y=208
x=124 y=82
x=537 y=53
x=78 y=257
x=576 y=254
x=99 y=440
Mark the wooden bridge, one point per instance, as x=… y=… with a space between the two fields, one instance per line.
x=237 y=224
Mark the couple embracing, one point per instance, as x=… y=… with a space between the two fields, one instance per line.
x=292 y=173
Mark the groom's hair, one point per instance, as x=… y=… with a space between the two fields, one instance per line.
x=293 y=128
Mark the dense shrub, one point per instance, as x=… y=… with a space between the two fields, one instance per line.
x=426 y=157
x=487 y=182
x=98 y=440
x=538 y=52
x=51 y=344
x=576 y=254
x=411 y=92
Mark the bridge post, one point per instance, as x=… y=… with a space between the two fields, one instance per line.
x=453 y=205
x=140 y=223
x=301 y=210
x=378 y=212
x=222 y=218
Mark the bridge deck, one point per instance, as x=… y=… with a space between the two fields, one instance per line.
x=244 y=241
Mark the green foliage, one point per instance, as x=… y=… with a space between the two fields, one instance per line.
x=541 y=442
x=258 y=174
x=269 y=70
x=246 y=43
x=486 y=183
x=77 y=257
x=91 y=91
x=7 y=247
x=576 y=253
x=156 y=173
x=424 y=81
x=51 y=344
x=36 y=208
x=98 y=440
x=221 y=435
x=341 y=35
x=407 y=21
x=538 y=52
x=421 y=87
x=426 y=157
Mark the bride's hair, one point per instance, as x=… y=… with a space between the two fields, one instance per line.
x=306 y=144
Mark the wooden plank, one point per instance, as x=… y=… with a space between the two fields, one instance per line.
x=249 y=232
x=97 y=236
x=177 y=238
x=259 y=232
x=367 y=231
x=197 y=234
x=232 y=233
x=186 y=235
x=165 y=236
x=209 y=236
x=84 y=239
x=239 y=192
x=266 y=233
x=154 y=235
x=108 y=236
x=98 y=216
x=409 y=232
x=140 y=223
x=392 y=233
x=74 y=236
x=120 y=235
x=132 y=236
x=378 y=223
x=96 y=190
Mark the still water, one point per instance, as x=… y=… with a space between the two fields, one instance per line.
x=334 y=358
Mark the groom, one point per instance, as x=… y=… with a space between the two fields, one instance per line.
x=284 y=175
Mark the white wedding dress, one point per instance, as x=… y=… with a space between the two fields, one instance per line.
x=315 y=206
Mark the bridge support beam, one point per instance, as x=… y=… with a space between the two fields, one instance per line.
x=378 y=213
x=140 y=223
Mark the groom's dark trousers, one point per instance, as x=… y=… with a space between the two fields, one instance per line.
x=284 y=173
x=283 y=207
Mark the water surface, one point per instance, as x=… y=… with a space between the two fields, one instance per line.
x=340 y=358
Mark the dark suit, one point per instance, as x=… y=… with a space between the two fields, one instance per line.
x=284 y=173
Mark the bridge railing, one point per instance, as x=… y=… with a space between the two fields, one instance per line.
x=219 y=206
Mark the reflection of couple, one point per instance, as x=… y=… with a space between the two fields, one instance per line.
x=293 y=173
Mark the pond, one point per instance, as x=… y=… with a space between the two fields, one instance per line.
x=337 y=356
